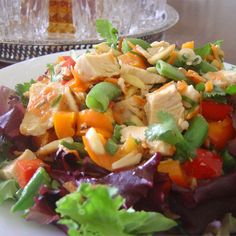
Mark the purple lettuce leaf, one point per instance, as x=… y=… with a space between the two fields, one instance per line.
x=210 y=201
x=157 y=197
x=43 y=211
x=132 y=184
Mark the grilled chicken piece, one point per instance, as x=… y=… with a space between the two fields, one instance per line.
x=146 y=76
x=138 y=133
x=45 y=99
x=222 y=78
x=130 y=110
x=168 y=99
x=92 y=66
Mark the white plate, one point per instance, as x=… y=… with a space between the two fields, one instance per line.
x=13 y=224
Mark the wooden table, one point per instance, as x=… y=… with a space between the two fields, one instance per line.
x=205 y=21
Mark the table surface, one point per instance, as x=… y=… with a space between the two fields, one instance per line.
x=203 y=21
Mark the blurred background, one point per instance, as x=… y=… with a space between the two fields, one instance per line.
x=30 y=28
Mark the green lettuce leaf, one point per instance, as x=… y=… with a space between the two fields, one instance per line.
x=96 y=210
x=107 y=32
x=8 y=189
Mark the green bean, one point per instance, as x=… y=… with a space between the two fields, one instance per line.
x=229 y=162
x=205 y=67
x=169 y=71
x=197 y=131
x=26 y=199
x=100 y=96
x=126 y=48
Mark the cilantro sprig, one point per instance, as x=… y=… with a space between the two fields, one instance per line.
x=107 y=32
x=21 y=89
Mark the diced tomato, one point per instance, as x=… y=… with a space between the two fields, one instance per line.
x=25 y=169
x=205 y=165
x=214 y=111
x=68 y=61
x=220 y=132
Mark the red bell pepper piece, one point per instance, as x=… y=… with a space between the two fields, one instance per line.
x=68 y=62
x=205 y=165
x=25 y=169
x=214 y=111
x=220 y=132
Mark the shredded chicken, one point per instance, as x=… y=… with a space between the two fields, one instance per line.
x=167 y=99
x=222 y=78
x=146 y=76
x=45 y=99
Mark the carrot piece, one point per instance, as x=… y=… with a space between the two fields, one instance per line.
x=208 y=86
x=64 y=124
x=194 y=76
x=25 y=169
x=111 y=80
x=95 y=119
x=104 y=160
x=173 y=56
x=174 y=170
x=182 y=86
x=189 y=44
x=133 y=60
x=78 y=82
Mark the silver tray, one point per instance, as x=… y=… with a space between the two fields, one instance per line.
x=16 y=51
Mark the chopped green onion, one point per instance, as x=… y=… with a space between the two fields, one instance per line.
x=134 y=41
x=79 y=147
x=200 y=87
x=189 y=101
x=56 y=100
x=100 y=96
x=197 y=131
x=169 y=71
x=111 y=147
x=117 y=133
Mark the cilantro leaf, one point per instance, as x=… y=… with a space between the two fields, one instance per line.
x=107 y=31
x=206 y=49
x=8 y=189
x=231 y=89
x=217 y=94
x=95 y=210
x=166 y=130
x=23 y=88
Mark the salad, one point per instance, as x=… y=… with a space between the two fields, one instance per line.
x=130 y=138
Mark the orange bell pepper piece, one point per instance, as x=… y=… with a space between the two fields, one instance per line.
x=174 y=170
x=104 y=160
x=64 y=124
x=220 y=132
x=133 y=60
x=189 y=44
x=95 y=119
